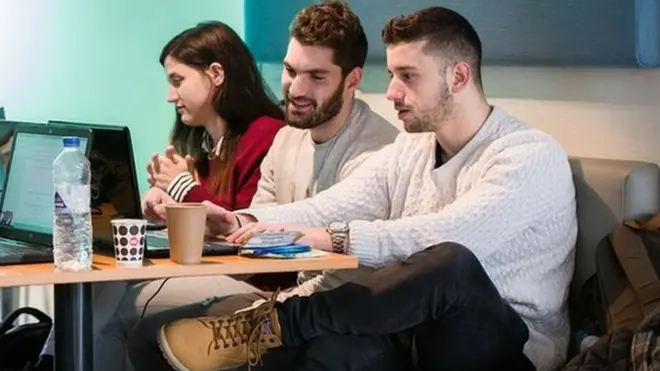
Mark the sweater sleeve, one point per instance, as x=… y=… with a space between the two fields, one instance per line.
x=517 y=188
x=184 y=188
x=353 y=164
x=265 y=194
x=345 y=200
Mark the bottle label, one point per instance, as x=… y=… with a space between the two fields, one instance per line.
x=72 y=198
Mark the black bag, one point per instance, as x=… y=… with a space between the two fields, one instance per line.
x=22 y=345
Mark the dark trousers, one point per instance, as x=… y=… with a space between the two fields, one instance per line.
x=441 y=297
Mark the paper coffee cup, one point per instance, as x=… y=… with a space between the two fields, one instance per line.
x=186 y=223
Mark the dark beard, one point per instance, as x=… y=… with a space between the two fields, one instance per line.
x=318 y=116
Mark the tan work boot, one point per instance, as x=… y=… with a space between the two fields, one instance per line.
x=221 y=343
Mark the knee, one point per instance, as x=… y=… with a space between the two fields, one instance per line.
x=450 y=259
x=452 y=253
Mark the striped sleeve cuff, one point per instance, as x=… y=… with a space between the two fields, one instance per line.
x=180 y=186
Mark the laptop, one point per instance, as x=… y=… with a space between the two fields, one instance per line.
x=115 y=191
x=26 y=206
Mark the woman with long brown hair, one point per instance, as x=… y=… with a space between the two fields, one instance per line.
x=225 y=123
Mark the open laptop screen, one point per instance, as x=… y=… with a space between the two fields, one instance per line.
x=28 y=199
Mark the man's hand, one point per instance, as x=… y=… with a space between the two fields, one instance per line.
x=243 y=234
x=316 y=238
x=153 y=204
x=219 y=221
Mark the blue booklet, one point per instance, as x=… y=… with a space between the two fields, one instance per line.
x=275 y=245
x=273 y=239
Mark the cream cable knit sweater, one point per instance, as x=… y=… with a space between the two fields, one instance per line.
x=508 y=195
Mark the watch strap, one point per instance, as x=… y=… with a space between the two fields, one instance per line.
x=338 y=242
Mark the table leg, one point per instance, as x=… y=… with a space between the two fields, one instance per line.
x=74 y=348
x=7 y=302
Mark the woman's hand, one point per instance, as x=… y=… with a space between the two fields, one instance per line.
x=163 y=169
x=153 y=204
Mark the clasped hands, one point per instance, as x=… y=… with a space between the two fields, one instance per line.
x=162 y=170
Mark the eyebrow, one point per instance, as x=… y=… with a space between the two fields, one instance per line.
x=401 y=69
x=311 y=71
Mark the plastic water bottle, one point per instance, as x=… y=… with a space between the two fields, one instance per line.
x=72 y=227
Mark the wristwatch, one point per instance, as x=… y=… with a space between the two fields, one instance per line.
x=338 y=231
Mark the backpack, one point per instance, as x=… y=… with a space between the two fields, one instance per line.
x=620 y=302
x=625 y=288
x=21 y=345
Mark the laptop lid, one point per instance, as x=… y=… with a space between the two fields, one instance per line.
x=27 y=206
x=114 y=186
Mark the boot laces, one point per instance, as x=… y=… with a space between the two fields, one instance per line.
x=241 y=328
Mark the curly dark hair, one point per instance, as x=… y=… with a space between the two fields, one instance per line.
x=332 y=24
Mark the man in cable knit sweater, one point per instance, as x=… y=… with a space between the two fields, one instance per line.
x=471 y=223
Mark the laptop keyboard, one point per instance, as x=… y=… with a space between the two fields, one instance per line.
x=156 y=242
x=10 y=248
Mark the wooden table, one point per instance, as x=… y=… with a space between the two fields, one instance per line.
x=73 y=291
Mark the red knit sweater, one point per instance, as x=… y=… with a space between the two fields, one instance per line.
x=245 y=170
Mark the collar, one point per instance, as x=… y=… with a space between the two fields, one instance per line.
x=207 y=145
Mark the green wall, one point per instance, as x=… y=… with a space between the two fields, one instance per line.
x=97 y=61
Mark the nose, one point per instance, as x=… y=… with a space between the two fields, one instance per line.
x=298 y=87
x=172 y=95
x=394 y=91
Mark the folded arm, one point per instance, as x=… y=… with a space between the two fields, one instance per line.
x=363 y=195
x=519 y=186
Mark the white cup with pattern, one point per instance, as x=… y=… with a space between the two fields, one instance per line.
x=129 y=237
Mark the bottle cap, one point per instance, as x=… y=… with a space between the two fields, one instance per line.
x=71 y=142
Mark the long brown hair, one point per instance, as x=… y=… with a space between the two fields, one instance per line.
x=242 y=98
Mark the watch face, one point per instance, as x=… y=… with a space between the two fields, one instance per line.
x=338 y=226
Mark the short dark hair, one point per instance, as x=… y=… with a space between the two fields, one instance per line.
x=332 y=24
x=444 y=30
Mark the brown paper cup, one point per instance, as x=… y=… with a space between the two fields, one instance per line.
x=186 y=223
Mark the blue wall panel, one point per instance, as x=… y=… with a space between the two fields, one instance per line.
x=514 y=32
